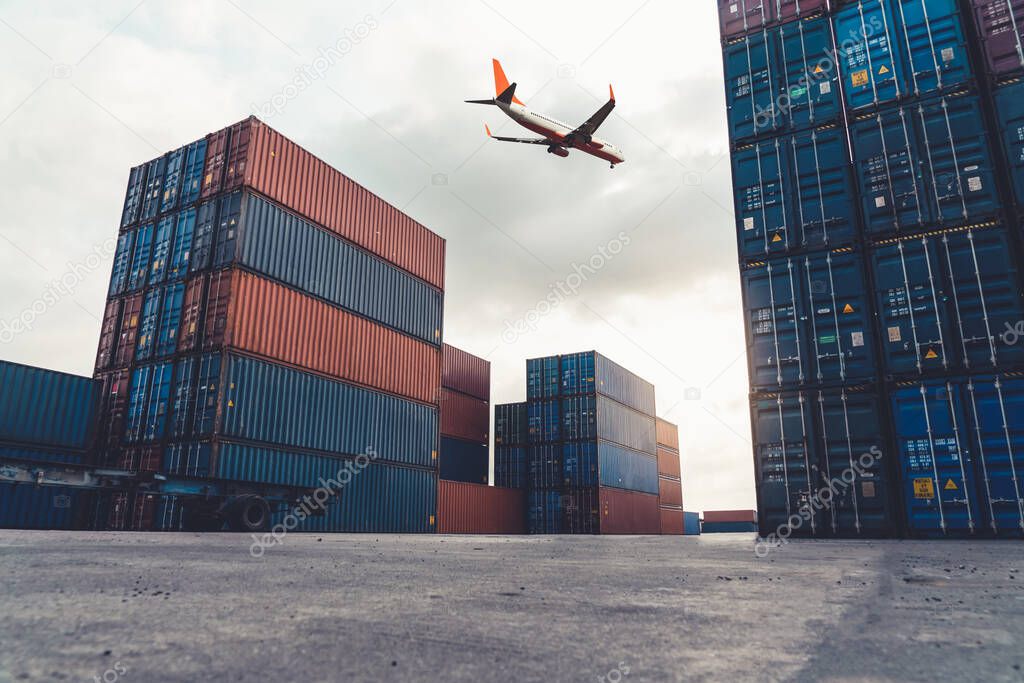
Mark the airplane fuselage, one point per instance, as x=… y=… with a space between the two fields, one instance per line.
x=559 y=133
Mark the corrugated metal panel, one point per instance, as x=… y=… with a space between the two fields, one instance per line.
x=629 y=512
x=581 y=508
x=162 y=244
x=591 y=373
x=475 y=509
x=253 y=314
x=751 y=72
x=671 y=521
x=172 y=180
x=64 y=456
x=749 y=516
x=140 y=258
x=1001 y=27
x=464 y=461
x=181 y=251
x=170 y=319
x=625 y=469
x=192 y=313
x=544 y=514
x=545 y=465
x=153 y=188
x=944 y=300
x=544 y=421
x=924 y=165
x=1010 y=115
x=543 y=378
x=738 y=17
x=464 y=372
x=667 y=433
x=263 y=237
x=23 y=506
x=668 y=462
x=691 y=523
x=122 y=262
x=465 y=417
x=510 y=426
x=41 y=406
x=276 y=404
x=670 y=492
x=510 y=466
x=773 y=325
x=133 y=197
x=108 y=333
x=728 y=527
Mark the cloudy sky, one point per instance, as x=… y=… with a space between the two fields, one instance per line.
x=91 y=91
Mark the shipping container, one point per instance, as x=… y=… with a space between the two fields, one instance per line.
x=474 y=509
x=141 y=252
x=546 y=466
x=667 y=434
x=749 y=516
x=259 y=316
x=1000 y=26
x=465 y=417
x=629 y=512
x=895 y=49
x=587 y=373
x=465 y=372
x=691 y=523
x=582 y=464
x=1009 y=104
x=591 y=417
x=670 y=492
x=510 y=464
x=122 y=263
x=739 y=17
x=671 y=520
x=544 y=513
x=46 y=408
x=464 y=461
x=945 y=301
x=68 y=456
x=25 y=506
x=109 y=328
x=924 y=165
x=133 y=197
x=668 y=462
x=728 y=527
x=510 y=424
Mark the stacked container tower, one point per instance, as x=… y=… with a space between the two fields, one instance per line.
x=876 y=152
x=270 y=321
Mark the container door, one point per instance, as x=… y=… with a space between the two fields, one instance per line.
x=545 y=468
x=1001 y=26
x=579 y=462
x=140 y=258
x=137 y=391
x=808 y=95
x=773 y=325
x=894 y=195
x=170 y=320
x=542 y=377
x=133 y=196
x=938 y=481
x=788 y=10
x=172 y=180
x=227 y=229
x=183 y=398
x=738 y=17
x=192 y=180
x=192 y=314
x=108 y=334
x=866 y=34
x=751 y=73
x=855 y=464
x=839 y=318
x=1010 y=112
x=912 y=308
x=825 y=211
x=762 y=208
x=934 y=47
x=579 y=418
x=202 y=242
x=954 y=146
x=122 y=261
x=148 y=325
x=206 y=394
x=986 y=307
x=154 y=188
x=996 y=406
x=157 y=403
x=162 y=249
x=787 y=470
x=129 y=327
x=181 y=252
x=578 y=373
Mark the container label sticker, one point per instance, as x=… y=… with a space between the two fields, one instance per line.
x=867 y=489
x=879 y=202
x=734 y=8
x=857 y=338
x=797 y=92
x=894 y=334
x=826 y=88
x=748 y=223
x=947 y=54
x=859 y=78
x=974 y=184
x=924 y=488
x=827 y=339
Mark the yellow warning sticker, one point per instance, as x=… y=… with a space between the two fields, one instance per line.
x=431 y=519
x=950 y=485
x=859 y=78
x=777 y=238
x=231 y=404
x=883 y=70
x=818 y=69
x=931 y=355
x=848 y=309
x=924 y=488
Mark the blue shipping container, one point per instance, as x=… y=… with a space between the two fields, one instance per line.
x=192 y=172
x=172 y=180
x=894 y=49
x=47 y=408
x=627 y=469
x=1009 y=101
x=181 y=252
x=691 y=523
x=67 y=456
x=510 y=424
x=587 y=373
x=925 y=165
x=162 y=249
x=140 y=258
x=133 y=196
x=510 y=466
x=462 y=460
x=946 y=301
x=773 y=325
x=24 y=506
x=545 y=469
x=154 y=188
x=544 y=514
x=544 y=421
x=122 y=262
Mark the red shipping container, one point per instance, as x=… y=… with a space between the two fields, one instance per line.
x=667 y=434
x=783 y=11
x=672 y=521
x=108 y=334
x=730 y=516
x=477 y=509
x=465 y=417
x=465 y=372
x=191 y=314
x=253 y=154
x=125 y=352
x=1001 y=27
x=141 y=459
x=668 y=463
x=629 y=512
x=257 y=315
x=738 y=17
x=670 y=492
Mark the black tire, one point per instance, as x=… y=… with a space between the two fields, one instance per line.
x=248 y=513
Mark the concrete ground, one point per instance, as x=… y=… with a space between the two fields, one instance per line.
x=189 y=607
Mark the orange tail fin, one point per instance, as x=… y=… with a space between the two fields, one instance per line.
x=501 y=81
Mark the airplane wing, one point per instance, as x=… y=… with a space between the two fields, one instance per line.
x=590 y=126
x=528 y=141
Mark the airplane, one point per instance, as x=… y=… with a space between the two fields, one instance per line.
x=558 y=137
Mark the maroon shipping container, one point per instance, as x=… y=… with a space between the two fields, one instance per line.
x=667 y=434
x=739 y=17
x=668 y=462
x=112 y=410
x=672 y=521
x=141 y=459
x=129 y=331
x=629 y=512
x=1001 y=27
x=131 y=512
x=465 y=372
x=251 y=153
x=730 y=516
x=108 y=334
x=782 y=11
x=465 y=417
x=192 y=314
x=257 y=315
x=477 y=509
x=670 y=492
